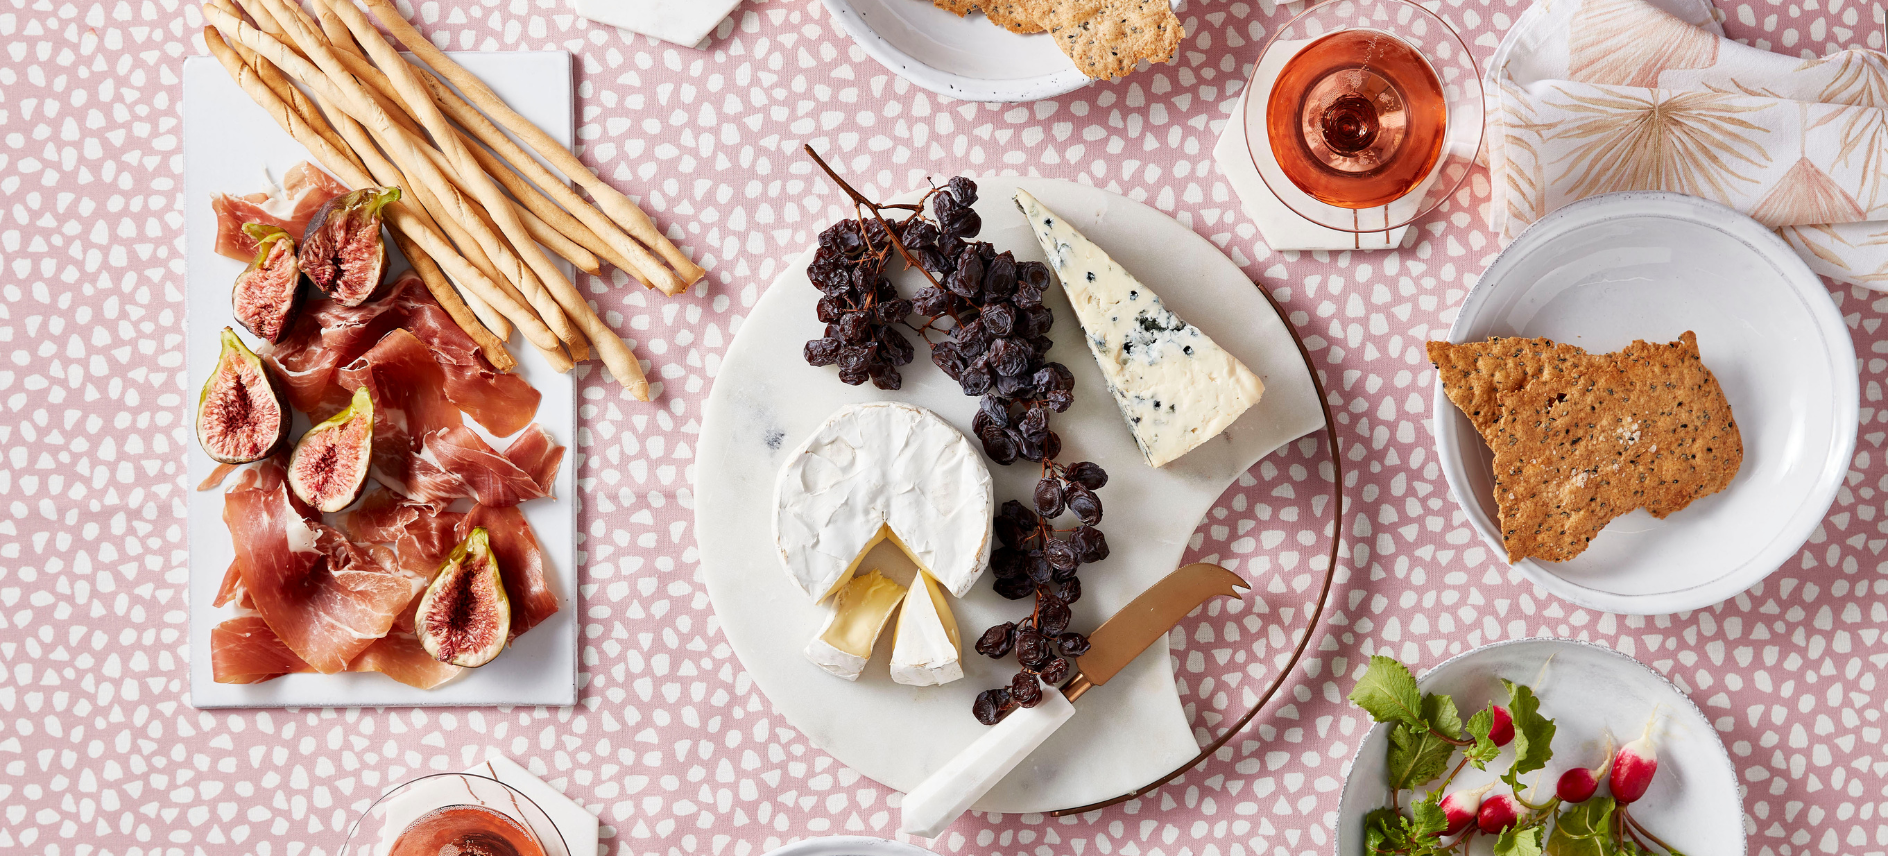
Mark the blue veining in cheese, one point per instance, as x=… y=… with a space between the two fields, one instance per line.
x=1175 y=387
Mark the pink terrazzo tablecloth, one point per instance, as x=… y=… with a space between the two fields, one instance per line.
x=672 y=745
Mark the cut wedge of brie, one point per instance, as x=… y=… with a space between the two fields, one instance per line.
x=926 y=650
x=1175 y=387
x=859 y=613
x=876 y=471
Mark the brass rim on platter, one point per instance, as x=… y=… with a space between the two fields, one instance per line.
x=1317 y=612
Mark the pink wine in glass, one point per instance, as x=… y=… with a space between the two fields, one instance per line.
x=466 y=830
x=1357 y=118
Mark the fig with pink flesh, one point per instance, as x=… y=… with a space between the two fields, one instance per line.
x=268 y=293
x=242 y=414
x=342 y=251
x=328 y=468
x=464 y=618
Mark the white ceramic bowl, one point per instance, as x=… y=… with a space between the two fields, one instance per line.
x=850 y=845
x=1587 y=690
x=1607 y=270
x=967 y=58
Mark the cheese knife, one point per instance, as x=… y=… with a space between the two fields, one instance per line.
x=947 y=793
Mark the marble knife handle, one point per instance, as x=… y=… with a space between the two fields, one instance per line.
x=947 y=793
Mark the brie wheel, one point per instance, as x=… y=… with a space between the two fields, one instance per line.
x=926 y=650
x=859 y=614
x=883 y=470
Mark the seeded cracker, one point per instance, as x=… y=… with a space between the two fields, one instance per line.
x=959 y=8
x=1109 y=43
x=1476 y=373
x=1017 y=16
x=1580 y=439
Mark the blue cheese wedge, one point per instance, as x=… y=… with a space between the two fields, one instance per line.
x=1175 y=387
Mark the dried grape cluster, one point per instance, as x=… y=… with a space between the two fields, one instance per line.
x=985 y=321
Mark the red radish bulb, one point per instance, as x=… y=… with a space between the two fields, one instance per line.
x=1498 y=814
x=1632 y=770
x=1502 y=732
x=1577 y=785
x=1460 y=808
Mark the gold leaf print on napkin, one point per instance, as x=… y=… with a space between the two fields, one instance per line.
x=1805 y=194
x=1628 y=43
x=1689 y=142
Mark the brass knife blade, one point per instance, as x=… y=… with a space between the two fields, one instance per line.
x=1148 y=617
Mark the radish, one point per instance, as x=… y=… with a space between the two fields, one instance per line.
x=1578 y=784
x=1634 y=766
x=1460 y=808
x=1502 y=732
x=1497 y=814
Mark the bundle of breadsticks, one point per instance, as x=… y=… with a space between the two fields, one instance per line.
x=476 y=205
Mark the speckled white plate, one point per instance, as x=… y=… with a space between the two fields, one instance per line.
x=1607 y=270
x=968 y=58
x=1587 y=690
x=850 y=845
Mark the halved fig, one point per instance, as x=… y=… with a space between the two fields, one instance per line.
x=465 y=618
x=242 y=415
x=329 y=466
x=268 y=293
x=342 y=251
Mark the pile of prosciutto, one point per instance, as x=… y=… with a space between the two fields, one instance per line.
x=338 y=592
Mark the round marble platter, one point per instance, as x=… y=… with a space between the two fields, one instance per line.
x=1588 y=690
x=766 y=400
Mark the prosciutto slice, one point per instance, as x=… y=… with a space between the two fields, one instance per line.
x=329 y=336
x=304 y=189
x=420 y=534
x=325 y=337
x=245 y=651
x=489 y=477
x=537 y=454
x=400 y=656
x=503 y=403
x=409 y=403
x=520 y=564
x=326 y=597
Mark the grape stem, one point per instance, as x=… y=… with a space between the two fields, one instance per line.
x=859 y=199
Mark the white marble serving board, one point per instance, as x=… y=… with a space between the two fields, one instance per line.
x=766 y=400
x=228 y=143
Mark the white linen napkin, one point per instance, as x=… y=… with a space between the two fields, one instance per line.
x=1281 y=227
x=682 y=22
x=1594 y=96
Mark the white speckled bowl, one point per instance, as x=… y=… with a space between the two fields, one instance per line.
x=1587 y=689
x=1647 y=265
x=967 y=58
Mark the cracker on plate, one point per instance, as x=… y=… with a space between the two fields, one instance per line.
x=1106 y=39
x=959 y=8
x=1017 y=16
x=1580 y=439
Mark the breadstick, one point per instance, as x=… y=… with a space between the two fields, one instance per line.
x=344 y=167
x=553 y=227
x=346 y=93
x=610 y=347
x=612 y=201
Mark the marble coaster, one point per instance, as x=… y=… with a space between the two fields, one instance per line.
x=1281 y=227
x=682 y=22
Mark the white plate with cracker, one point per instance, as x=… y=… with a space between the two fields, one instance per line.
x=962 y=57
x=1612 y=269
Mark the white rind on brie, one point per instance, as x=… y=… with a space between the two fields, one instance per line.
x=880 y=470
x=859 y=614
x=1175 y=387
x=926 y=650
